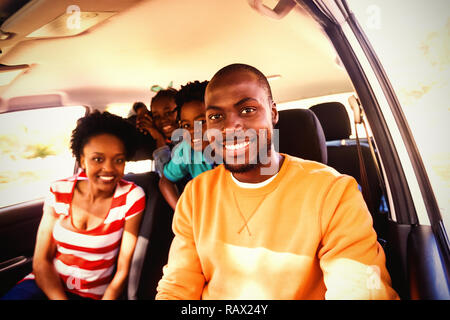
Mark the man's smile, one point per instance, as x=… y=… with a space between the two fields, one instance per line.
x=237 y=146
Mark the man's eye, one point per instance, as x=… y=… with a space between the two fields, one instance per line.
x=120 y=160
x=185 y=126
x=214 y=116
x=98 y=159
x=248 y=110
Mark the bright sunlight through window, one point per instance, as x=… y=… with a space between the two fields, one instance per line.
x=35 y=151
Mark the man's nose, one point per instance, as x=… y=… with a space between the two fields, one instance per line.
x=232 y=123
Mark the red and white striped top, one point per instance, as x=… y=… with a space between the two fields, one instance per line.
x=86 y=260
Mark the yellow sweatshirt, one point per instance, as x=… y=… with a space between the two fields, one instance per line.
x=305 y=235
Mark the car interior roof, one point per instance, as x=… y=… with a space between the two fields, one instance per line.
x=155 y=42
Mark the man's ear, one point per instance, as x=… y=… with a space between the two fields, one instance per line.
x=274 y=113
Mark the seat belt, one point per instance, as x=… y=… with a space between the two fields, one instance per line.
x=375 y=160
x=357 y=112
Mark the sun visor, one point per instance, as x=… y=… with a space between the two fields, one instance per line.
x=34 y=102
x=49 y=18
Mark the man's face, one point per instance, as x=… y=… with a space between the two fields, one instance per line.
x=238 y=107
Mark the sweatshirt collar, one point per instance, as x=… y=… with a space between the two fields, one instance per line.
x=267 y=186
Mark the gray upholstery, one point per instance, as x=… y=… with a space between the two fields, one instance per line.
x=155 y=237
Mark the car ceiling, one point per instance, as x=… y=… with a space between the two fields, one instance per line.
x=155 y=42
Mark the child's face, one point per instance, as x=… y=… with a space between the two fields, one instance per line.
x=164 y=115
x=191 y=113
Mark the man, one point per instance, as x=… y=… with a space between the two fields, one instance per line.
x=266 y=225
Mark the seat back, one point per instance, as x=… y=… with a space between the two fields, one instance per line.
x=301 y=135
x=343 y=151
x=155 y=233
x=153 y=243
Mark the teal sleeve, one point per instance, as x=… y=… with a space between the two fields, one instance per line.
x=175 y=172
x=177 y=167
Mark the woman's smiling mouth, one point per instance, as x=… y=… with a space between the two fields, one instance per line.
x=106 y=178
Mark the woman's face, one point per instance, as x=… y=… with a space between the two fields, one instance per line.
x=103 y=159
x=164 y=115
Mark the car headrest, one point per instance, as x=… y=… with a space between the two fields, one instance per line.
x=143 y=152
x=301 y=135
x=334 y=120
x=145 y=143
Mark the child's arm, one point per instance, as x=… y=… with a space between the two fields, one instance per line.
x=169 y=190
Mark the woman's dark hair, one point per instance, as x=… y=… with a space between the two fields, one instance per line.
x=98 y=123
x=192 y=91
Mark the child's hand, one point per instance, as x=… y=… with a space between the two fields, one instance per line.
x=146 y=126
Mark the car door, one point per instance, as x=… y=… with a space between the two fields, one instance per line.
x=34 y=150
x=417 y=242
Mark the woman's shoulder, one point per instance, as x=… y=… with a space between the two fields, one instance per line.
x=130 y=189
x=65 y=185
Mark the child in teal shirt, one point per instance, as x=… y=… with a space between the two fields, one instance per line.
x=187 y=157
x=185 y=161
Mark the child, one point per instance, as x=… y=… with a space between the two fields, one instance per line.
x=188 y=159
x=160 y=122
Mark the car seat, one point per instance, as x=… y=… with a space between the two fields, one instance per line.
x=154 y=238
x=343 y=151
x=301 y=135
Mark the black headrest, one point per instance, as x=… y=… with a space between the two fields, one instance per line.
x=301 y=135
x=145 y=143
x=334 y=120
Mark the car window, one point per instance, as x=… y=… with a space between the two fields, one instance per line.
x=34 y=151
x=416 y=58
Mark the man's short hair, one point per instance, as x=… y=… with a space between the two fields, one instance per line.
x=262 y=80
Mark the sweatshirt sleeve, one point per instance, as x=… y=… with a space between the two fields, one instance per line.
x=183 y=278
x=352 y=261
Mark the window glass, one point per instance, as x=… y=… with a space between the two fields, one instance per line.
x=412 y=41
x=34 y=151
x=140 y=166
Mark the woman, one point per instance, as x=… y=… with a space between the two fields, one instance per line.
x=90 y=223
